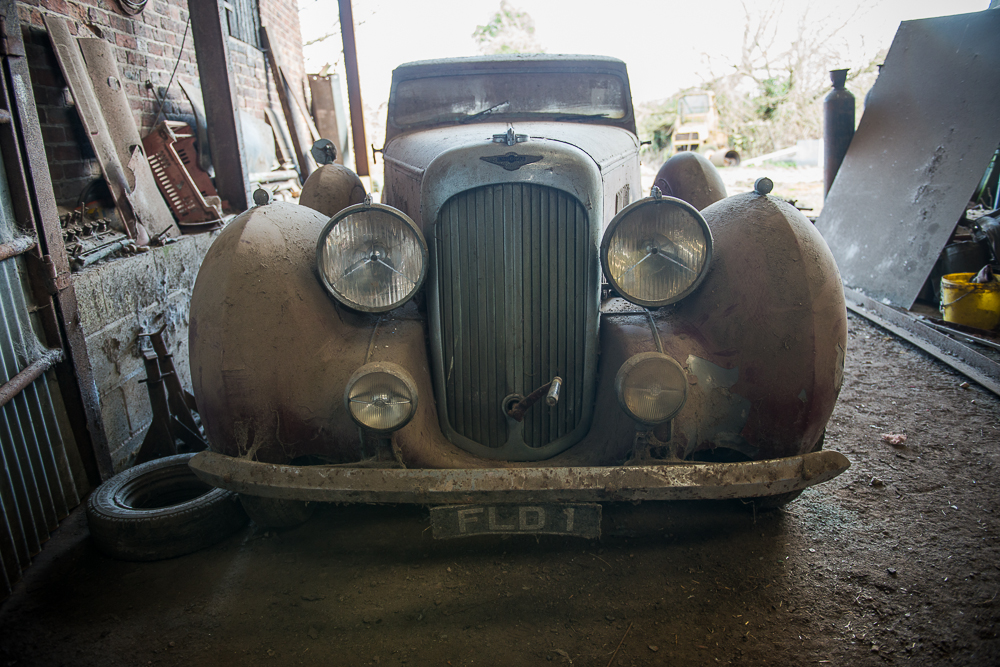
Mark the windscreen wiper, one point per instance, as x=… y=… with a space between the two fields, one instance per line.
x=484 y=112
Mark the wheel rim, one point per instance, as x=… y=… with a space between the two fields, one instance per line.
x=167 y=487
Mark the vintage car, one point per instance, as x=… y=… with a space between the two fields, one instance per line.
x=515 y=333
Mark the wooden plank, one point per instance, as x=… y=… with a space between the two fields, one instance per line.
x=325 y=110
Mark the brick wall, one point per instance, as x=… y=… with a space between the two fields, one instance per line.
x=282 y=22
x=148 y=47
x=119 y=299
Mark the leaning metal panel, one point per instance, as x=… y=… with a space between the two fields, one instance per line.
x=514 y=271
x=922 y=145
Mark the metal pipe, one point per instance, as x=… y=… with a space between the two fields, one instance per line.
x=16 y=247
x=272 y=176
x=23 y=379
x=97 y=255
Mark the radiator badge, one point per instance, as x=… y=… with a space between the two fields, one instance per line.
x=511 y=161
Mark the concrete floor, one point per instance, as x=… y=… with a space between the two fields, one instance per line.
x=896 y=561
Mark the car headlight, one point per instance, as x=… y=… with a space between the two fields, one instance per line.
x=381 y=396
x=656 y=251
x=651 y=387
x=371 y=257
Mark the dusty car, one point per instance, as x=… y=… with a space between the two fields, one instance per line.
x=515 y=334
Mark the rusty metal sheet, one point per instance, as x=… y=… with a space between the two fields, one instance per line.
x=75 y=72
x=148 y=205
x=90 y=69
x=923 y=143
x=576 y=519
x=426 y=486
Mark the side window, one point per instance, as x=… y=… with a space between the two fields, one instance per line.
x=243 y=17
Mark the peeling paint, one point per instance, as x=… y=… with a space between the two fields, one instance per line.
x=724 y=413
x=711 y=375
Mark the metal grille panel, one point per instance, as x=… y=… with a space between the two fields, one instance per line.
x=513 y=280
x=36 y=484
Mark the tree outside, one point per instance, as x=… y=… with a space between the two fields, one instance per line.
x=770 y=97
x=510 y=30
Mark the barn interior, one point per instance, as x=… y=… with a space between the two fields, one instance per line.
x=135 y=133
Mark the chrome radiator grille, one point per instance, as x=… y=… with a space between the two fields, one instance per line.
x=514 y=265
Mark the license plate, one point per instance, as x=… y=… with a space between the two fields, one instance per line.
x=581 y=520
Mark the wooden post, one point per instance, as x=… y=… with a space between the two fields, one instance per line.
x=218 y=87
x=354 y=89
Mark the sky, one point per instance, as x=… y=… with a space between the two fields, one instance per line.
x=667 y=46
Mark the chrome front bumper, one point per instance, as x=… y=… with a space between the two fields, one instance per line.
x=424 y=486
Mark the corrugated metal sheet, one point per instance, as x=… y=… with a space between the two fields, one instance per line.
x=37 y=488
x=512 y=266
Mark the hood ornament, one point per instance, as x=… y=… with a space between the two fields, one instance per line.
x=509 y=137
x=511 y=161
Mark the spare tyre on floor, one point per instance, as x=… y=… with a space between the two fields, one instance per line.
x=160 y=510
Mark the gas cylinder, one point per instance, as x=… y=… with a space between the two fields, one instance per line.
x=838 y=126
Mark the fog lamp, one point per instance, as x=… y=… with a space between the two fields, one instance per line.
x=381 y=396
x=651 y=387
x=656 y=251
x=371 y=257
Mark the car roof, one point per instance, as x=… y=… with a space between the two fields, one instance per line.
x=514 y=61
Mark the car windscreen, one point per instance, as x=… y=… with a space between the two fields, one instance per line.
x=463 y=98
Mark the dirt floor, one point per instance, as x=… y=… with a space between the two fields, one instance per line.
x=897 y=561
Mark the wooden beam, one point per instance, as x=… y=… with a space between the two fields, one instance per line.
x=354 y=89
x=218 y=87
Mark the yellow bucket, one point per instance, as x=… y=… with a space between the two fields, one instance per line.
x=972 y=304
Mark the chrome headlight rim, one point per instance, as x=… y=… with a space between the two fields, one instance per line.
x=630 y=365
x=625 y=213
x=397 y=215
x=388 y=368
